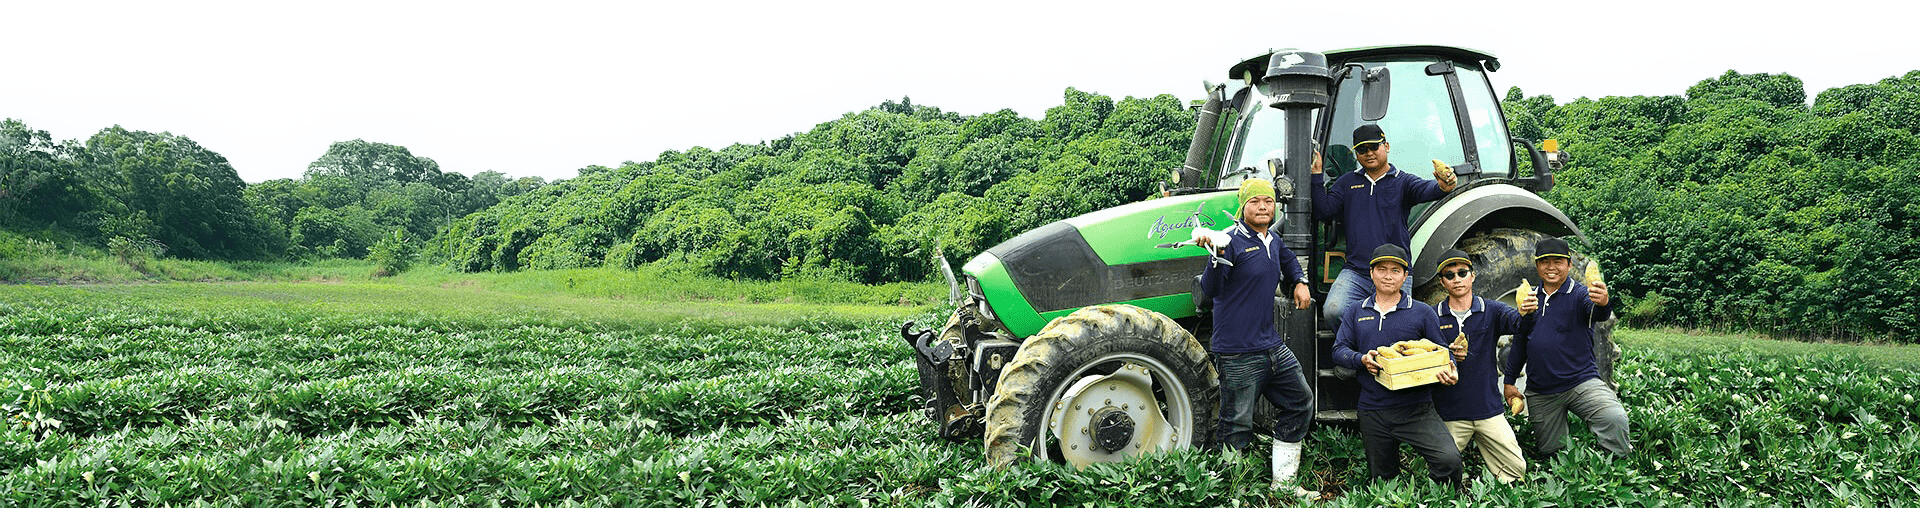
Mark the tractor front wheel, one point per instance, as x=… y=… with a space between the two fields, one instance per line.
x=1101 y=385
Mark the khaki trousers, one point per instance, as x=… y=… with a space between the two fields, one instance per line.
x=1498 y=446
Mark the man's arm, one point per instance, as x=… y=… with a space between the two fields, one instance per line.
x=1601 y=301
x=1516 y=354
x=1214 y=278
x=1344 y=352
x=1424 y=190
x=1506 y=320
x=1293 y=279
x=1430 y=322
x=1327 y=204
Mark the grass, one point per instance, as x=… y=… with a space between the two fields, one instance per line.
x=50 y=265
x=1694 y=341
x=672 y=282
x=464 y=306
x=32 y=261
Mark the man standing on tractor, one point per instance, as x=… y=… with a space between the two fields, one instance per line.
x=1391 y=417
x=1472 y=407
x=1372 y=207
x=1557 y=352
x=1254 y=362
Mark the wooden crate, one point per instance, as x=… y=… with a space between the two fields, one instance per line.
x=1411 y=371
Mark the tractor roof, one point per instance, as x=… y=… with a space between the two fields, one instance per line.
x=1258 y=64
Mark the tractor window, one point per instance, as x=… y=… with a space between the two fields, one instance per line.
x=1489 y=127
x=1262 y=135
x=1419 y=124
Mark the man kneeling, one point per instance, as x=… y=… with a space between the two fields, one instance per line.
x=1391 y=417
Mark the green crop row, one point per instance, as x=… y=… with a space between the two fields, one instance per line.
x=741 y=397
x=259 y=462
x=73 y=358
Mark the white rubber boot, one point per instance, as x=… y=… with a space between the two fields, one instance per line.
x=1286 y=462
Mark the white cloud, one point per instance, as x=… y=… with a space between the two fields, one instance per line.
x=544 y=89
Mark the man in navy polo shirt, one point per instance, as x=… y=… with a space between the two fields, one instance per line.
x=1557 y=353
x=1372 y=207
x=1472 y=408
x=1391 y=417
x=1248 y=351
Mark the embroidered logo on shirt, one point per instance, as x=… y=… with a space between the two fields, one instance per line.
x=1443 y=327
x=1368 y=318
x=1358 y=186
x=1251 y=249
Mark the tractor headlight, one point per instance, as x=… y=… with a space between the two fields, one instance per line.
x=973 y=289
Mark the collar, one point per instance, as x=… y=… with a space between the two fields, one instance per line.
x=1240 y=228
x=1406 y=301
x=1446 y=307
x=1566 y=288
x=1391 y=171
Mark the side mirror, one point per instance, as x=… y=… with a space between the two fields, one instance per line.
x=1376 y=89
x=1544 y=163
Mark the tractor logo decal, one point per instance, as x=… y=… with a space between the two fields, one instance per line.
x=1160 y=227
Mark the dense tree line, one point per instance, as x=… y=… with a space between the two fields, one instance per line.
x=166 y=194
x=1735 y=204
x=871 y=196
x=1739 y=205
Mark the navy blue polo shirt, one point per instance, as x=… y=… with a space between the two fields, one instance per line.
x=1243 y=293
x=1363 y=327
x=1372 y=213
x=1477 y=396
x=1557 y=350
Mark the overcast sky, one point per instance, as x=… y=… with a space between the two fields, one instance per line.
x=545 y=88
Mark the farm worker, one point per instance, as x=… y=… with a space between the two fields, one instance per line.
x=1472 y=408
x=1391 y=417
x=1557 y=353
x=1248 y=351
x=1372 y=207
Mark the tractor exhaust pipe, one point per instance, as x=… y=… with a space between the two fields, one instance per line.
x=1191 y=175
x=1297 y=83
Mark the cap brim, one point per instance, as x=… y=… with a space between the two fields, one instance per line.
x=1448 y=261
x=1381 y=140
x=1544 y=256
x=1395 y=259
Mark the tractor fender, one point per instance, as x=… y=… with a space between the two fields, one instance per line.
x=1481 y=207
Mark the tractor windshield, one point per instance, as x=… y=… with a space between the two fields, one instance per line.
x=1260 y=136
x=1422 y=123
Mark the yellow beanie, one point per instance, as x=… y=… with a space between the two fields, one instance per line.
x=1253 y=187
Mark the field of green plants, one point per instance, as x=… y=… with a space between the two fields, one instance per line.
x=261 y=394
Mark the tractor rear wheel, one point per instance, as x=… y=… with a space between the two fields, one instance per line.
x=1101 y=385
x=1502 y=258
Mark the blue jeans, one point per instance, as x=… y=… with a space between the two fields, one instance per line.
x=1273 y=374
x=1348 y=287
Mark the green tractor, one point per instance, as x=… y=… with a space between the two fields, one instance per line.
x=1085 y=340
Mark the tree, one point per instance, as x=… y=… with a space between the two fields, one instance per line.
x=193 y=197
x=40 y=183
x=368 y=164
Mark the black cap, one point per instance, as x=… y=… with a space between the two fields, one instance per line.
x=1369 y=133
x=1549 y=248
x=1389 y=252
x=1454 y=256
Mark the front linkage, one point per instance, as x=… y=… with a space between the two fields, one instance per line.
x=959 y=370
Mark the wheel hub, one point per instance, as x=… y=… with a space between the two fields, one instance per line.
x=1107 y=418
x=1113 y=429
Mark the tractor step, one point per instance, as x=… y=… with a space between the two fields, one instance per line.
x=1338 y=416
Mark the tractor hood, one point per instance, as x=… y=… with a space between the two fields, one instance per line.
x=1116 y=255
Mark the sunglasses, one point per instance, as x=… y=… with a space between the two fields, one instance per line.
x=1364 y=149
x=1456 y=274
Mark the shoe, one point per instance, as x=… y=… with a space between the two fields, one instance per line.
x=1286 y=462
